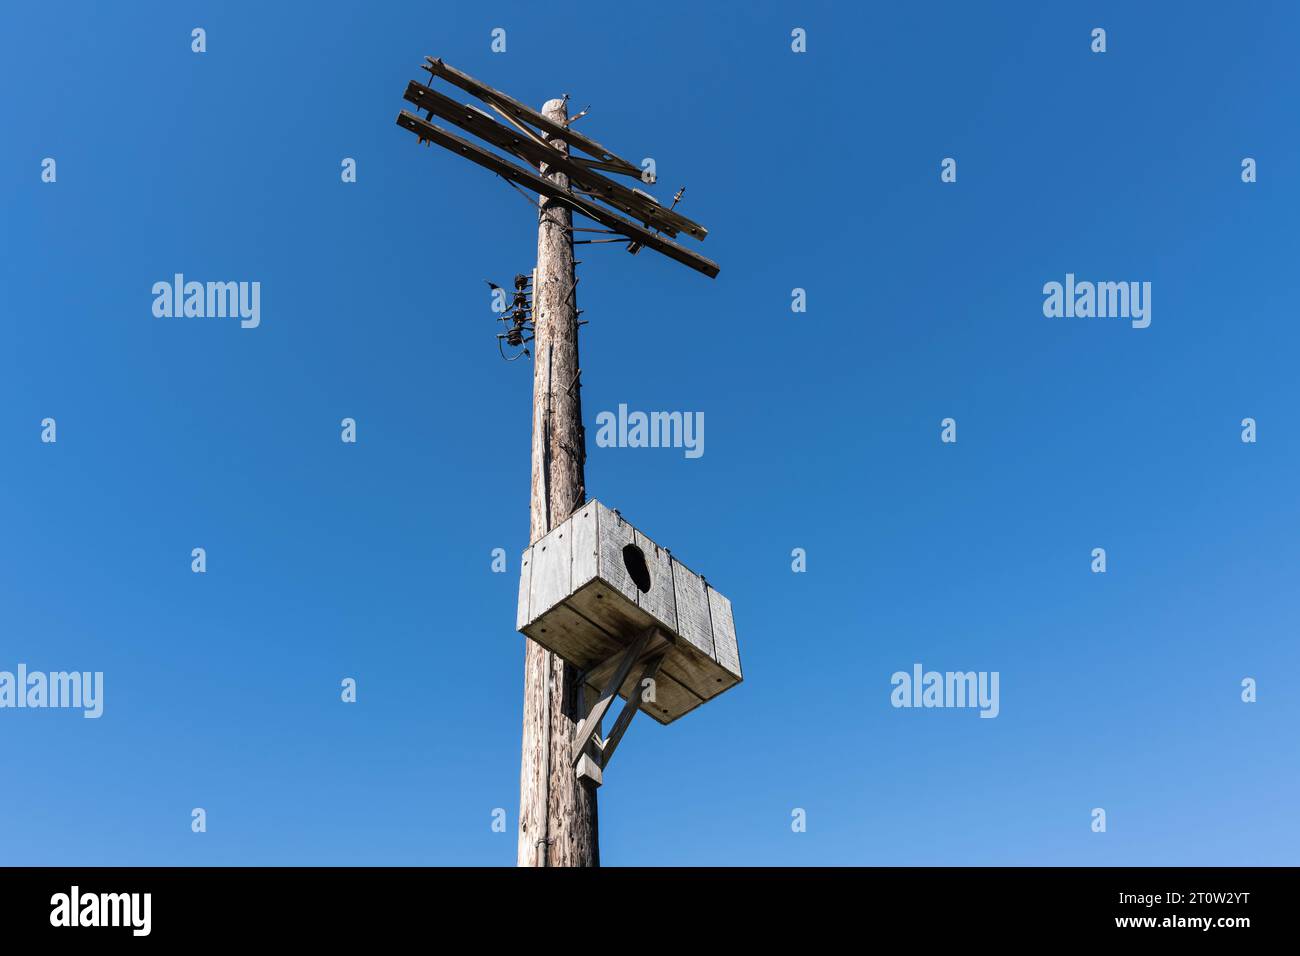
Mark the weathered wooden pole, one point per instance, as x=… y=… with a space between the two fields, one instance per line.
x=557 y=811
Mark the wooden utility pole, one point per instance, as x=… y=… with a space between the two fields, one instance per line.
x=557 y=809
x=557 y=793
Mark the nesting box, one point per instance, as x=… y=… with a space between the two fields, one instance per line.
x=594 y=584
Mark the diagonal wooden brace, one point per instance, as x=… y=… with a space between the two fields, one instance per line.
x=630 y=707
x=587 y=729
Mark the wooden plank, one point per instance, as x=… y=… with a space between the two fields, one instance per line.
x=530 y=134
x=572 y=637
x=524 y=177
x=551 y=571
x=609 y=610
x=692 y=601
x=487 y=94
x=525 y=581
x=617 y=195
x=585 y=546
x=725 y=650
x=611 y=168
x=659 y=600
x=702 y=676
x=672 y=700
x=615 y=534
x=657 y=646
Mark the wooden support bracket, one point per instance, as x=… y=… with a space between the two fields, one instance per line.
x=630 y=707
x=591 y=754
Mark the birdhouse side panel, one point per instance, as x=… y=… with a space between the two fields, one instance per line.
x=525 y=582
x=614 y=535
x=552 y=568
x=659 y=601
x=585 y=544
x=692 y=603
x=726 y=652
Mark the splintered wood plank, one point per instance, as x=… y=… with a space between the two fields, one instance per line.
x=539 y=184
x=692 y=601
x=529 y=115
x=615 y=534
x=585 y=545
x=572 y=637
x=536 y=152
x=525 y=582
x=659 y=600
x=552 y=570
x=725 y=650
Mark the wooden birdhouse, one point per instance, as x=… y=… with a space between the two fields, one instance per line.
x=603 y=596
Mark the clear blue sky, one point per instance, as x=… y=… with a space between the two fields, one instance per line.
x=818 y=171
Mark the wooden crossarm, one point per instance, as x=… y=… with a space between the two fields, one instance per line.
x=519 y=142
x=529 y=115
x=526 y=177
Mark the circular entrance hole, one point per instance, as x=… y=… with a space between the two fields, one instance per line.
x=634 y=561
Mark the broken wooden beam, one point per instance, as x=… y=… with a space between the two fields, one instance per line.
x=535 y=153
x=524 y=177
x=529 y=115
